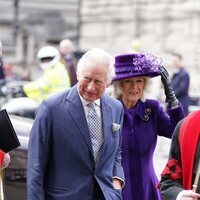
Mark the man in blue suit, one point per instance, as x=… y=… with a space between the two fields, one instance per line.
x=61 y=161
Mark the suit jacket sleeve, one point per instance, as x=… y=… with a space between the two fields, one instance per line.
x=38 y=154
x=118 y=170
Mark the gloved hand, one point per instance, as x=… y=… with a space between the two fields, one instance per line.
x=169 y=92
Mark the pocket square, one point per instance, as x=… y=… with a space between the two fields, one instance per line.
x=115 y=127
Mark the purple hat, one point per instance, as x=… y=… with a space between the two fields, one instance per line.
x=136 y=64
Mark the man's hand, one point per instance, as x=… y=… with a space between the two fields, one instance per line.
x=117 y=184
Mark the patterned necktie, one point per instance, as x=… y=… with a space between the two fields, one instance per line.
x=94 y=124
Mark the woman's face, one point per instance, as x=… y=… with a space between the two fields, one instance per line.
x=132 y=89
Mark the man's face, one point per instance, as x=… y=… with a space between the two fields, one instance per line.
x=92 y=82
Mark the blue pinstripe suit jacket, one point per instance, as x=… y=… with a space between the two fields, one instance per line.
x=60 y=157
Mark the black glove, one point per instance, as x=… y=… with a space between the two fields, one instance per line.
x=169 y=92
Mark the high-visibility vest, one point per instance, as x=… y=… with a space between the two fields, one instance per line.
x=55 y=79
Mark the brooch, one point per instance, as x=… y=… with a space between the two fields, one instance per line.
x=147 y=112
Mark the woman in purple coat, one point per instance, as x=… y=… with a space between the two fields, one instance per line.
x=144 y=120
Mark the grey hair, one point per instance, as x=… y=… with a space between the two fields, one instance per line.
x=96 y=56
x=68 y=44
x=117 y=91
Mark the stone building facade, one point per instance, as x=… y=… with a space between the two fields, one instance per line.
x=159 y=26
x=26 y=25
x=155 y=26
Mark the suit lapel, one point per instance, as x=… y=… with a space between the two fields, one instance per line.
x=107 y=121
x=76 y=109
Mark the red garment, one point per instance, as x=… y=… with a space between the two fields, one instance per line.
x=2 y=154
x=188 y=140
x=172 y=170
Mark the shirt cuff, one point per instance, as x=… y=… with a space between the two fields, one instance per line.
x=122 y=181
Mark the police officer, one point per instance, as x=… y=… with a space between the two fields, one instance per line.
x=54 y=79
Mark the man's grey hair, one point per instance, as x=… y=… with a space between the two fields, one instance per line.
x=97 y=56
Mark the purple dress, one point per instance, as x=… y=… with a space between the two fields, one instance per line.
x=141 y=127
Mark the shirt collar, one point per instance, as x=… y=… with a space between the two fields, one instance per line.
x=84 y=102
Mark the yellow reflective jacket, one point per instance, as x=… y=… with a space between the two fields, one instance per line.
x=54 y=79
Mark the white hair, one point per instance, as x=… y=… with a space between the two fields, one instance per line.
x=97 y=56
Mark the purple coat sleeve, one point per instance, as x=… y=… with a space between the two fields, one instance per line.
x=166 y=120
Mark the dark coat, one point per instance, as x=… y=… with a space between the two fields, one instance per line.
x=171 y=183
x=180 y=83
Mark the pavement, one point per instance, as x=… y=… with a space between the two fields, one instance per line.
x=161 y=154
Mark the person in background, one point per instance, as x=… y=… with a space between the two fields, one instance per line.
x=2 y=75
x=54 y=79
x=75 y=147
x=66 y=49
x=180 y=82
x=144 y=120
x=180 y=178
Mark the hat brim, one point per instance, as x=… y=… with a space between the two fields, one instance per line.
x=129 y=75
